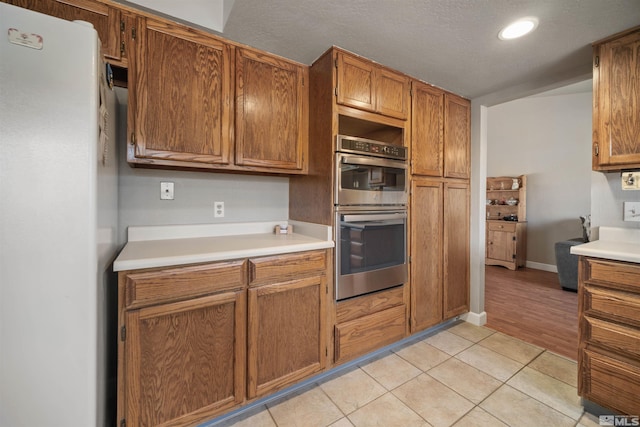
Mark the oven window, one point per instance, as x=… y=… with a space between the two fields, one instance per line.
x=370 y=246
x=373 y=178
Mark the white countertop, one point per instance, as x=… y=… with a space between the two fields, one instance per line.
x=160 y=246
x=620 y=244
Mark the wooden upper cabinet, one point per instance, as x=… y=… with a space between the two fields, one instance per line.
x=616 y=102
x=181 y=97
x=441 y=133
x=427 y=114
x=367 y=86
x=272 y=99
x=457 y=137
x=104 y=18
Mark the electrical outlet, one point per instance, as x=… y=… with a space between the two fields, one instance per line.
x=218 y=209
x=166 y=191
x=632 y=211
x=630 y=180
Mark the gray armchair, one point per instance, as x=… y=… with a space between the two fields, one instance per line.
x=567 y=264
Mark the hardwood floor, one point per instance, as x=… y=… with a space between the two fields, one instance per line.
x=530 y=304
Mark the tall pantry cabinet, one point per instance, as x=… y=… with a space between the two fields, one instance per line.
x=439 y=205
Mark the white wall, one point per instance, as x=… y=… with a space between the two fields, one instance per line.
x=247 y=197
x=547 y=138
x=607 y=198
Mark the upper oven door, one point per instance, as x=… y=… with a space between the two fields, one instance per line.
x=370 y=181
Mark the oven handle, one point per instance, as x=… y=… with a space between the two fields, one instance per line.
x=366 y=161
x=374 y=217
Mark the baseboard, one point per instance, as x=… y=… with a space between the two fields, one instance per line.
x=477 y=319
x=540 y=266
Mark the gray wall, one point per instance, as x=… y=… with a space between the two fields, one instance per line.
x=247 y=197
x=548 y=138
x=607 y=198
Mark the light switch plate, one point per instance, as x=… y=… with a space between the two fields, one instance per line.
x=632 y=211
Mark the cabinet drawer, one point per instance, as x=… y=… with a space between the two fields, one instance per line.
x=178 y=283
x=368 y=333
x=285 y=267
x=502 y=226
x=623 y=275
x=620 y=339
x=609 y=382
x=368 y=304
x=615 y=305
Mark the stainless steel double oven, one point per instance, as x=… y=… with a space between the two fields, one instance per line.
x=371 y=216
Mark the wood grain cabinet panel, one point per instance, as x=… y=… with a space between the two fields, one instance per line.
x=286 y=333
x=104 y=18
x=368 y=86
x=271 y=111
x=427 y=210
x=184 y=362
x=457 y=137
x=427 y=116
x=609 y=334
x=456 y=249
x=616 y=102
x=181 y=97
x=439 y=251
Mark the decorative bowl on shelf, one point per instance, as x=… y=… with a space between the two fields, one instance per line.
x=489 y=201
x=512 y=202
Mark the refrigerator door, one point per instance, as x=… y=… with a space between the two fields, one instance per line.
x=50 y=279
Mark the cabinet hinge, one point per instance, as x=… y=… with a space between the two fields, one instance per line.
x=326 y=289
x=326 y=351
x=514 y=238
x=513 y=256
x=336 y=91
x=335 y=63
x=123 y=333
x=133 y=33
x=123 y=423
x=122 y=26
x=596 y=61
x=122 y=48
x=133 y=139
x=596 y=149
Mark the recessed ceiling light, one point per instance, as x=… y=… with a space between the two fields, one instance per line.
x=518 y=29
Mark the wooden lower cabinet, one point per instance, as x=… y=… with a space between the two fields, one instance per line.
x=286 y=333
x=184 y=360
x=199 y=340
x=506 y=244
x=609 y=334
x=366 y=323
x=439 y=251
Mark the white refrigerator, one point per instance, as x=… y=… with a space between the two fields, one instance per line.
x=58 y=220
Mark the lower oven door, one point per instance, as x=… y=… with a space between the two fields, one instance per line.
x=371 y=252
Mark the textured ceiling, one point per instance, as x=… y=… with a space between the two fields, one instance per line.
x=452 y=44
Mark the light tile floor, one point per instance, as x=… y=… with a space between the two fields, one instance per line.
x=462 y=376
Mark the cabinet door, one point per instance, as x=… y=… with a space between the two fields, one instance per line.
x=105 y=19
x=617 y=103
x=181 y=97
x=426 y=131
x=456 y=249
x=271 y=111
x=356 y=82
x=392 y=94
x=500 y=245
x=184 y=362
x=286 y=333
x=426 y=254
x=457 y=140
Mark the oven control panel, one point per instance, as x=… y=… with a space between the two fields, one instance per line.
x=352 y=144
